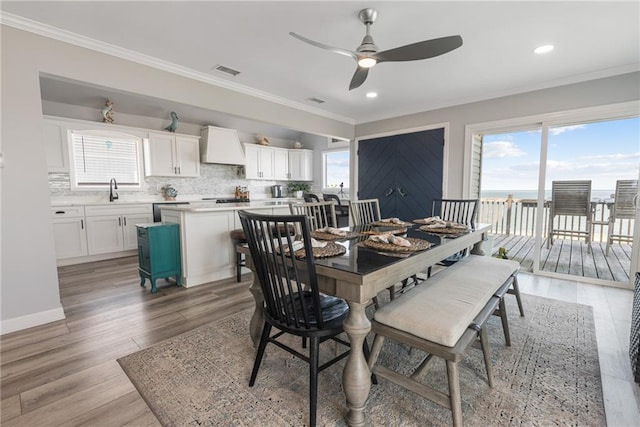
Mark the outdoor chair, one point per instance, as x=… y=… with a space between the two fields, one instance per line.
x=320 y=214
x=342 y=211
x=290 y=306
x=570 y=199
x=623 y=208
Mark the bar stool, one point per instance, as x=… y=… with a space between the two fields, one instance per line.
x=238 y=238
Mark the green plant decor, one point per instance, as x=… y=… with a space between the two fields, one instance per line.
x=292 y=187
x=502 y=253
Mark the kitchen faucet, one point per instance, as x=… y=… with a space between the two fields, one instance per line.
x=113 y=185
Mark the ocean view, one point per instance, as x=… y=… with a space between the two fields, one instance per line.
x=533 y=194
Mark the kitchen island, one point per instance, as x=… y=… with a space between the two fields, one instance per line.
x=207 y=251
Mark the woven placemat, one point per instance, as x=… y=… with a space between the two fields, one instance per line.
x=328 y=236
x=444 y=230
x=391 y=224
x=416 y=245
x=330 y=249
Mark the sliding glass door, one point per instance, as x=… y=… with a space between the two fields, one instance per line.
x=588 y=228
x=585 y=227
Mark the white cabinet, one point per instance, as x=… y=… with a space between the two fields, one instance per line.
x=259 y=162
x=56 y=146
x=167 y=154
x=111 y=228
x=301 y=165
x=278 y=164
x=69 y=231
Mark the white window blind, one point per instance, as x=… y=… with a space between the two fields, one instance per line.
x=98 y=157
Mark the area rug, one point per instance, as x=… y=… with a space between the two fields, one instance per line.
x=549 y=376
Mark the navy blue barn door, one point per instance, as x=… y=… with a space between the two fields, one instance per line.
x=404 y=172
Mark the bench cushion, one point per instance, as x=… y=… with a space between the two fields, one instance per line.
x=441 y=309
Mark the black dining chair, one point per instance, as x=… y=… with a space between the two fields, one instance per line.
x=310 y=198
x=342 y=211
x=293 y=303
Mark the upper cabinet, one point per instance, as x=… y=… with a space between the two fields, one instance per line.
x=274 y=163
x=167 y=154
x=259 y=161
x=301 y=165
x=56 y=147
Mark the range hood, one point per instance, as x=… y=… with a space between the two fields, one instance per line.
x=220 y=145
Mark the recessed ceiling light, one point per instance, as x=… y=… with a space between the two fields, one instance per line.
x=371 y=94
x=543 y=49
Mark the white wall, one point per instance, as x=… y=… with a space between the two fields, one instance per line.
x=28 y=280
x=610 y=90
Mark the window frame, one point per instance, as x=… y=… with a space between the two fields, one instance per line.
x=324 y=168
x=106 y=133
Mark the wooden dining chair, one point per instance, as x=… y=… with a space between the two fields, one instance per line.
x=364 y=211
x=570 y=200
x=623 y=208
x=320 y=214
x=462 y=211
x=293 y=303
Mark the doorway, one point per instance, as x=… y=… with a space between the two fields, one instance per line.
x=518 y=161
x=404 y=172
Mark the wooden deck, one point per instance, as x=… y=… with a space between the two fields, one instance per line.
x=569 y=257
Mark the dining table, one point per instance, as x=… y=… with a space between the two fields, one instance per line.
x=357 y=276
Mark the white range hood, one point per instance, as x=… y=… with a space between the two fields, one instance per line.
x=220 y=145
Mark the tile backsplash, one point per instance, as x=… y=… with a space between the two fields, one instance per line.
x=214 y=181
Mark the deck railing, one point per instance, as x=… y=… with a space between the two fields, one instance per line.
x=518 y=217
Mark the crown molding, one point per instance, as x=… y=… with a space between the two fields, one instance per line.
x=65 y=36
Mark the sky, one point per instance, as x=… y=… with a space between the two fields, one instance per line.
x=337 y=164
x=600 y=151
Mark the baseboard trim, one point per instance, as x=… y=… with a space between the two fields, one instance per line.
x=31 y=320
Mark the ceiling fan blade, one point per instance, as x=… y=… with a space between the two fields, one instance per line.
x=420 y=50
x=359 y=77
x=324 y=46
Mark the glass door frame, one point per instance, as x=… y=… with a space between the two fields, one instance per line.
x=544 y=122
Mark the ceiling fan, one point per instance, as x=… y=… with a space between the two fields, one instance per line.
x=367 y=55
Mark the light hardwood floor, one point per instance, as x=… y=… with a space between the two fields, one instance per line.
x=65 y=373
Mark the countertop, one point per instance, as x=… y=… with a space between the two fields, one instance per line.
x=193 y=201
x=212 y=206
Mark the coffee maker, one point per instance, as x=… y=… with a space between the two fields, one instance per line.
x=276 y=191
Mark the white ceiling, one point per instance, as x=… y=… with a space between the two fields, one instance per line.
x=592 y=39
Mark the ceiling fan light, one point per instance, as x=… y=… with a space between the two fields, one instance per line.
x=367 y=62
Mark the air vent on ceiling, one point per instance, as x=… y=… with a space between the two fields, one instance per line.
x=316 y=100
x=227 y=70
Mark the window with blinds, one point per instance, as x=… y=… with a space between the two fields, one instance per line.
x=98 y=156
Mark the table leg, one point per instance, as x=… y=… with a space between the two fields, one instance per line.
x=477 y=247
x=356 y=377
x=257 y=319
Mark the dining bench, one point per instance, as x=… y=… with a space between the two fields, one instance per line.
x=442 y=317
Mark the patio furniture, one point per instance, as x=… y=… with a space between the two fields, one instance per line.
x=342 y=211
x=570 y=199
x=623 y=208
x=320 y=214
x=292 y=303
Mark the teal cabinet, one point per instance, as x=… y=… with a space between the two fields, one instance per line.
x=159 y=253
